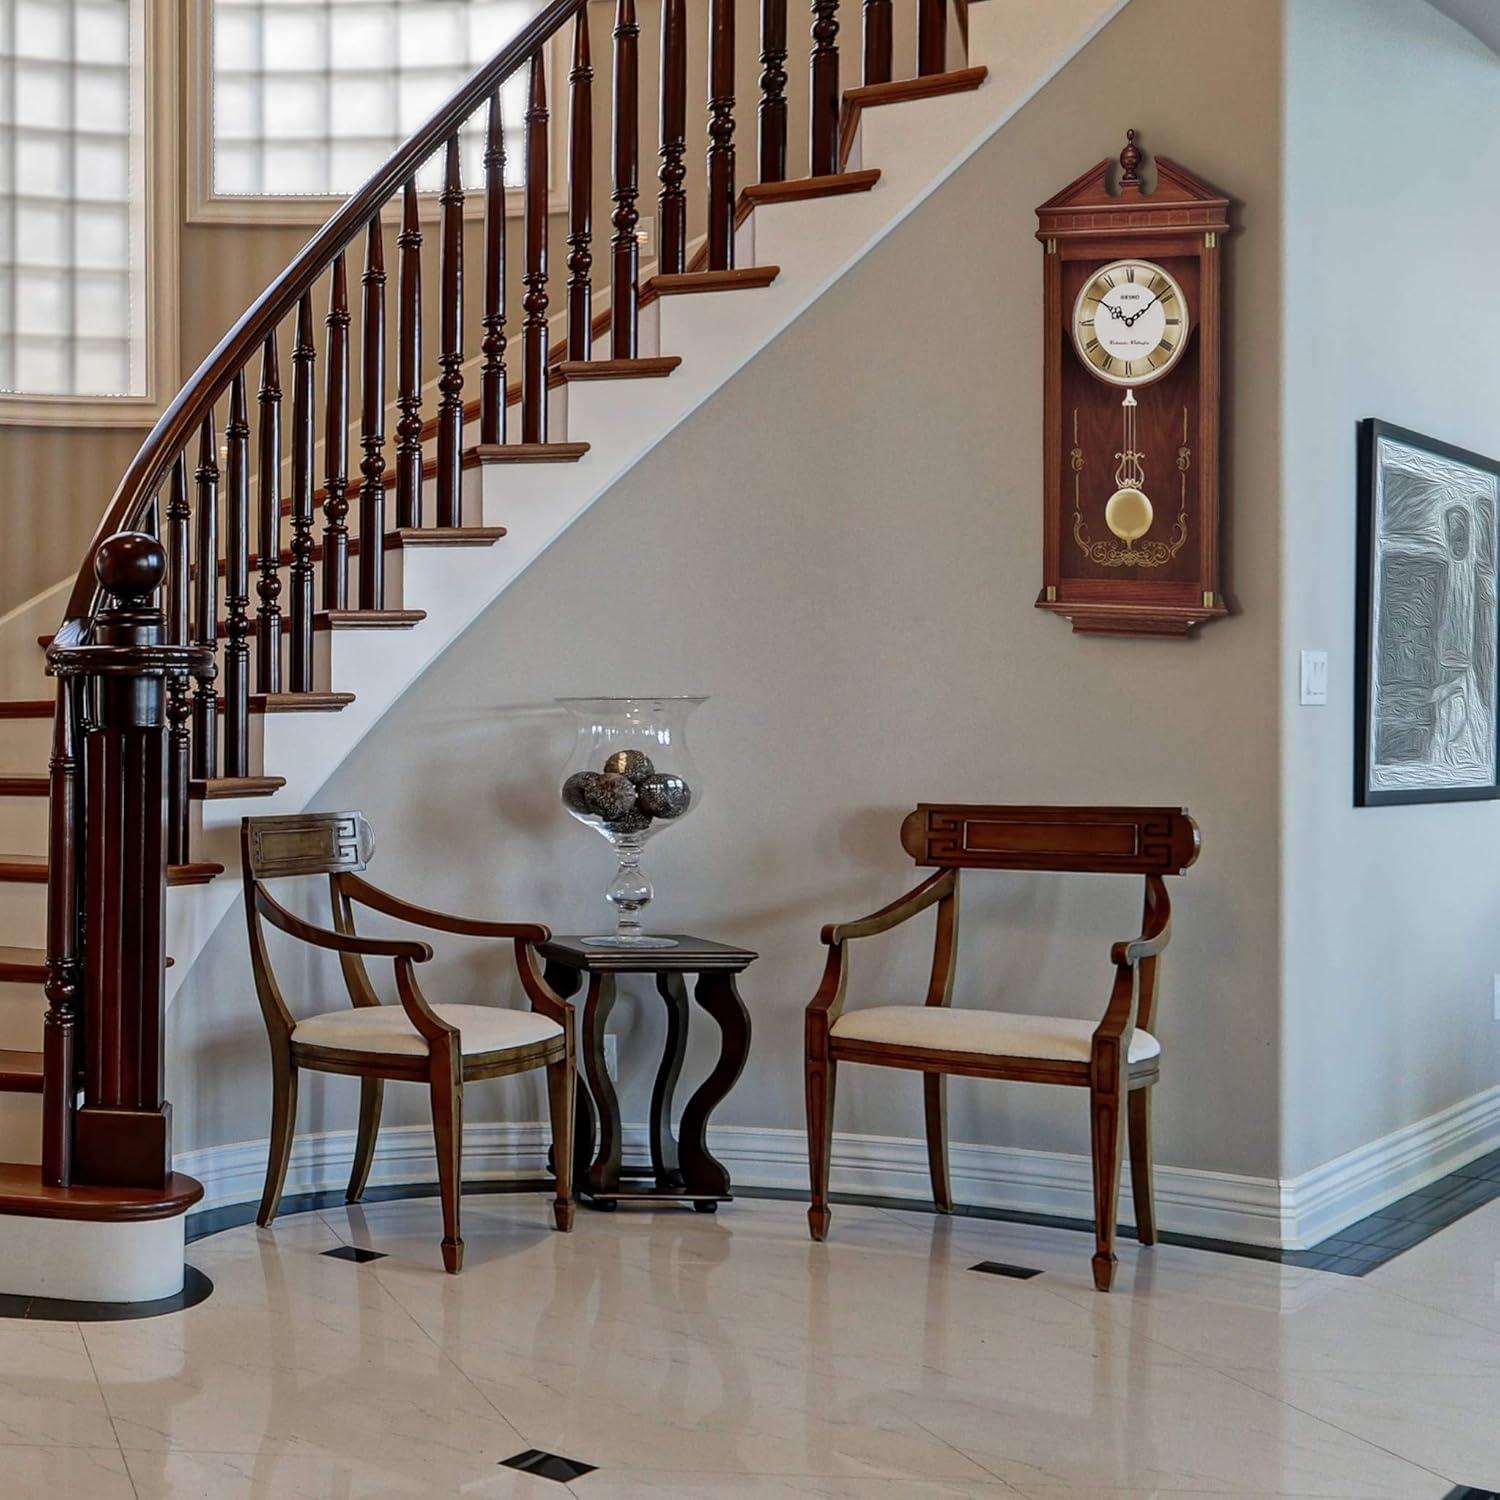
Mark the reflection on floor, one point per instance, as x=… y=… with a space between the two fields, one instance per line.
x=693 y=1357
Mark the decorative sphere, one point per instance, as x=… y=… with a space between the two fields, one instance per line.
x=130 y=564
x=575 y=791
x=634 y=764
x=664 y=795
x=608 y=796
x=635 y=821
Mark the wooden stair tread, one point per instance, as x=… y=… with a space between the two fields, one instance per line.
x=22 y=1192
x=400 y=537
x=27 y=708
x=20 y=1072
x=742 y=278
x=297 y=703
x=368 y=619
x=901 y=91
x=31 y=869
x=15 y=784
x=524 y=453
x=651 y=367
x=221 y=788
x=22 y=965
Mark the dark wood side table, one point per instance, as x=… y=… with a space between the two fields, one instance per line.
x=681 y=1168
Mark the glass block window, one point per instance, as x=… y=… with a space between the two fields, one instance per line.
x=310 y=96
x=71 y=198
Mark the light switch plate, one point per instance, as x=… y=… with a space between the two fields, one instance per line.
x=1314 y=679
x=646 y=236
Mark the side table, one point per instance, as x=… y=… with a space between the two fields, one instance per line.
x=680 y=1168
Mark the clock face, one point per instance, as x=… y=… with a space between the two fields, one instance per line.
x=1130 y=322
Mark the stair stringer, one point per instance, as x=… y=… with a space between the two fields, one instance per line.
x=917 y=146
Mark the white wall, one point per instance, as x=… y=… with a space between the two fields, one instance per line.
x=1390 y=930
x=843 y=549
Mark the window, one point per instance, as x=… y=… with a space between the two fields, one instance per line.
x=71 y=200
x=310 y=96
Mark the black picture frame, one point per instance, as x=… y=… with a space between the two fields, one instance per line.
x=1368 y=593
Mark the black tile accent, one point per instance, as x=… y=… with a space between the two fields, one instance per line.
x=547 y=1465
x=1468 y=1492
x=354 y=1253
x=196 y=1288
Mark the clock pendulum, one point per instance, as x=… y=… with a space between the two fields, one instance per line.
x=1128 y=511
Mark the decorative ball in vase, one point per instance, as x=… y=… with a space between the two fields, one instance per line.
x=631 y=775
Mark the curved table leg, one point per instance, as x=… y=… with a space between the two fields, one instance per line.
x=664 y=1165
x=566 y=981
x=701 y=1172
x=603 y=1174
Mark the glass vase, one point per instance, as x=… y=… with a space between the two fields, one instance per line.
x=630 y=776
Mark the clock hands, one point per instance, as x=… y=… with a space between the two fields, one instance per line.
x=1141 y=312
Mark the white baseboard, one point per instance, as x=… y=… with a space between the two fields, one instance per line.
x=1292 y=1213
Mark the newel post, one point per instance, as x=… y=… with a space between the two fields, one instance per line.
x=114 y=862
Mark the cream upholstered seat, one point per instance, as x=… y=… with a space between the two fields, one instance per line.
x=385 y=1028
x=990 y=1033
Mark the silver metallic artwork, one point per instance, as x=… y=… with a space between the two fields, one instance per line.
x=1432 y=625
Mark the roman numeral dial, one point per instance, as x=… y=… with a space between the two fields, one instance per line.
x=1130 y=322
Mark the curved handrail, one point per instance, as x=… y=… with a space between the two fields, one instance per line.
x=177 y=425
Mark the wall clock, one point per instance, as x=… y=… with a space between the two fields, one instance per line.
x=1131 y=399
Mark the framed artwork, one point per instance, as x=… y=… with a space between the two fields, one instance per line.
x=1427 y=624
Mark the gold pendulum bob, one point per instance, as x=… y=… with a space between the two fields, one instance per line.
x=1128 y=511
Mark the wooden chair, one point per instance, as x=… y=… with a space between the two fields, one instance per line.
x=445 y=1046
x=1118 y=1060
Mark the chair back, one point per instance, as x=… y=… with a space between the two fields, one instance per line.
x=328 y=844
x=1095 y=840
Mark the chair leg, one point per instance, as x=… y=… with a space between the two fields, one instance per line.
x=1142 y=1188
x=446 y=1079
x=562 y=1082
x=821 y=1078
x=371 y=1096
x=935 y=1091
x=283 y=1123
x=1107 y=1128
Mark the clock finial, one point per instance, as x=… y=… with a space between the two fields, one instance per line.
x=1130 y=159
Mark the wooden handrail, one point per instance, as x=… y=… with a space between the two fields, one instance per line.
x=181 y=420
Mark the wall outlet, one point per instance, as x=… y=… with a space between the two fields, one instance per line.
x=1495 y=995
x=1314 y=679
x=612 y=1048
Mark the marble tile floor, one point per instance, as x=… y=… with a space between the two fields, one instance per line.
x=725 y=1357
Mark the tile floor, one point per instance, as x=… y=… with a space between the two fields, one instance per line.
x=695 y=1357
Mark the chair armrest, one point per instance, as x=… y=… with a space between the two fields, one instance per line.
x=543 y=997
x=931 y=891
x=358 y=889
x=339 y=942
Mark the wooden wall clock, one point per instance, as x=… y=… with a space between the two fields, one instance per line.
x=1131 y=408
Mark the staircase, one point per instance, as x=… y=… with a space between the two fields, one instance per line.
x=284 y=557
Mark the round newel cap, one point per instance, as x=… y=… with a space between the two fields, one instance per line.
x=130 y=564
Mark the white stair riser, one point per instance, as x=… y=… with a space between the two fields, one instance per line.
x=26 y=744
x=20 y=1131
x=21 y=1009
x=23 y=825
x=23 y=913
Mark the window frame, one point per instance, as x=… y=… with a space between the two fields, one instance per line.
x=205 y=206
x=154 y=51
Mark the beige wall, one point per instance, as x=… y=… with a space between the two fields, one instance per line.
x=1391 y=942
x=843 y=548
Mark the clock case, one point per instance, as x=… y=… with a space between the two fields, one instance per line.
x=1102 y=587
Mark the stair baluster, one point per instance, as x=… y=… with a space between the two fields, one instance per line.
x=721 y=135
x=237 y=583
x=534 y=337
x=879 y=42
x=492 y=398
x=206 y=599
x=336 y=443
x=409 y=364
x=773 y=81
x=932 y=36
x=64 y=987
x=581 y=194
x=625 y=280
x=372 y=424
x=268 y=497
x=304 y=375
x=179 y=704
x=671 y=211
x=823 y=105
x=450 y=453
